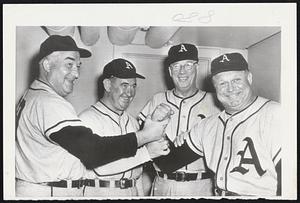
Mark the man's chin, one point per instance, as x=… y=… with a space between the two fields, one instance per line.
x=124 y=107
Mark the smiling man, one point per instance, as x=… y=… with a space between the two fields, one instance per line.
x=190 y=105
x=242 y=143
x=109 y=117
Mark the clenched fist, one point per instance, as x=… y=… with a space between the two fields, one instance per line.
x=158 y=148
x=153 y=130
x=162 y=112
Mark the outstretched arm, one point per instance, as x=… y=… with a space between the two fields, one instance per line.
x=125 y=164
x=177 y=158
x=95 y=151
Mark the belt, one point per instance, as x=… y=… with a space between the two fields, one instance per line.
x=122 y=184
x=183 y=176
x=221 y=192
x=65 y=183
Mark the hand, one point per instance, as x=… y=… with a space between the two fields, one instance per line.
x=162 y=112
x=158 y=148
x=180 y=139
x=153 y=130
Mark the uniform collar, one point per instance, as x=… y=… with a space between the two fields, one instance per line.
x=39 y=84
x=103 y=107
x=252 y=107
x=184 y=98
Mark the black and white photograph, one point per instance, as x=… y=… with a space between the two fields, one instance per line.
x=158 y=101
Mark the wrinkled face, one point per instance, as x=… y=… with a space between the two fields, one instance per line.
x=63 y=70
x=184 y=74
x=233 y=89
x=121 y=92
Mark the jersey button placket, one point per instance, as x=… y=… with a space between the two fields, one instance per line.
x=225 y=155
x=230 y=127
x=183 y=117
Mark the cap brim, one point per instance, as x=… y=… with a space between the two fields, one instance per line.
x=139 y=76
x=174 y=60
x=124 y=76
x=84 y=53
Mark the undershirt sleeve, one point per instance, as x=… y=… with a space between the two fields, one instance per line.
x=93 y=150
x=176 y=159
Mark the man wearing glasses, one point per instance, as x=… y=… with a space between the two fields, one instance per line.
x=190 y=105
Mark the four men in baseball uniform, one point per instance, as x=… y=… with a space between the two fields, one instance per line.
x=231 y=152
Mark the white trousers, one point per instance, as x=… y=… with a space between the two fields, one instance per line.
x=27 y=189
x=166 y=187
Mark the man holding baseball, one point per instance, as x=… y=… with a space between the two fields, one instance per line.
x=190 y=105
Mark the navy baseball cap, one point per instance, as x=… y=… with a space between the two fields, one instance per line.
x=61 y=43
x=120 y=68
x=182 y=52
x=228 y=62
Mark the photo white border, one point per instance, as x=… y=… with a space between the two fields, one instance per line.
x=215 y=14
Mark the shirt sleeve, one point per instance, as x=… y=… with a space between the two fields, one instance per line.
x=125 y=164
x=147 y=110
x=273 y=130
x=93 y=150
x=53 y=114
x=176 y=159
x=194 y=138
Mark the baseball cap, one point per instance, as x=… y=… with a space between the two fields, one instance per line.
x=61 y=43
x=228 y=62
x=120 y=68
x=182 y=52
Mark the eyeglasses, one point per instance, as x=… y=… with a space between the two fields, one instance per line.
x=187 y=66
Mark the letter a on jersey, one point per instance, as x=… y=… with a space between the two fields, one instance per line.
x=224 y=58
x=253 y=160
x=182 y=48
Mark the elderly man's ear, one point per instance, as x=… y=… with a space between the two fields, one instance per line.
x=46 y=65
x=249 y=77
x=107 y=84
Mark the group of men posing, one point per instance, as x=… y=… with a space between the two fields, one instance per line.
x=197 y=149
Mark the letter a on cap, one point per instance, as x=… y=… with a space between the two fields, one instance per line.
x=182 y=48
x=224 y=58
x=128 y=66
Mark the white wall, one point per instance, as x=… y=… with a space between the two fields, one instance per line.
x=265 y=65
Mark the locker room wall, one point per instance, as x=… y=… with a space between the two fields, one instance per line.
x=265 y=65
x=29 y=38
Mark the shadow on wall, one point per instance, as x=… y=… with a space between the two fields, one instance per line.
x=208 y=85
x=100 y=87
x=167 y=78
x=34 y=69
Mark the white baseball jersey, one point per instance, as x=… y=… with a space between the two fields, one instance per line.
x=104 y=121
x=242 y=149
x=187 y=112
x=41 y=112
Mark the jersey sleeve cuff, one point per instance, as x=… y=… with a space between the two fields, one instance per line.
x=193 y=146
